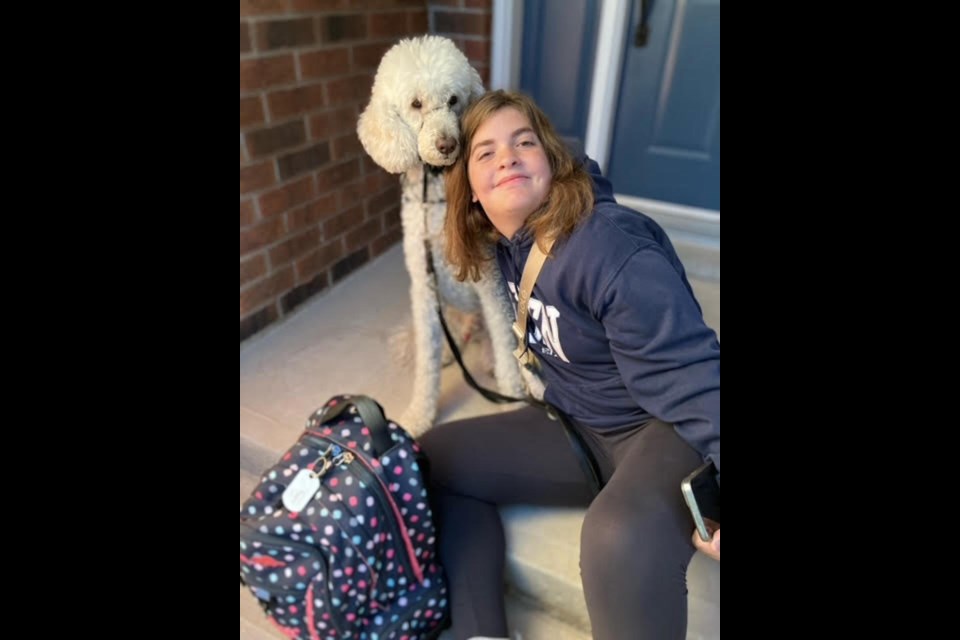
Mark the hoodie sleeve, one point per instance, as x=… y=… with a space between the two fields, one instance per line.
x=668 y=357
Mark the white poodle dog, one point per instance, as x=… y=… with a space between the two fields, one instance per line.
x=411 y=127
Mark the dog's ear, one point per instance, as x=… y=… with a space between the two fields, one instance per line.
x=476 y=85
x=387 y=138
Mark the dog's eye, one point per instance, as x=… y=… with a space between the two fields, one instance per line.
x=452 y=101
x=416 y=104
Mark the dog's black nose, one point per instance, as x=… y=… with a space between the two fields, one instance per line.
x=446 y=145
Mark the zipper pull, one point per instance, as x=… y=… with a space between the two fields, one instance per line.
x=344 y=457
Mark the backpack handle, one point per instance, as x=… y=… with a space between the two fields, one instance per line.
x=371 y=413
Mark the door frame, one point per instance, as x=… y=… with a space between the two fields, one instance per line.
x=694 y=231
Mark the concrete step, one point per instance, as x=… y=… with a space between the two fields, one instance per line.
x=528 y=621
x=545 y=597
x=336 y=343
x=543 y=552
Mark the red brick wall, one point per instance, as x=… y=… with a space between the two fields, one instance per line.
x=313 y=206
x=466 y=22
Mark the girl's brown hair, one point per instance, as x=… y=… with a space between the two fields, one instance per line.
x=468 y=232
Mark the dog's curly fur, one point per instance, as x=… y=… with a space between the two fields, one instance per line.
x=421 y=88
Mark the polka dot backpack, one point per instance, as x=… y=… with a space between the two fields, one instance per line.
x=337 y=541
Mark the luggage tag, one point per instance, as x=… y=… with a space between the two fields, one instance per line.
x=299 y=492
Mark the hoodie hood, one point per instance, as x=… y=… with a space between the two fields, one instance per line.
x=602 y=188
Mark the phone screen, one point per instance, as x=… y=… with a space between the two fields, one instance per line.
x=702 y=495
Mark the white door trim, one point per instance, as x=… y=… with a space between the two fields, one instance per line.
x=607 y=64
x=505 y=44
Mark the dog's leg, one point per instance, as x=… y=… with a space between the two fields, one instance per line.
x=498 y=314
x=422 y=409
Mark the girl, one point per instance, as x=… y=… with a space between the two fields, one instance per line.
x=625 y=354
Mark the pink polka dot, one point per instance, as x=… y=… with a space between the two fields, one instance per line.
x=414 y=518
x=351 y=617
x=397 y=470
x=348 y=571
x=345 y=588
x=352 y=445
x=389 y=553
x=373 y=522
x=420 y=537
x=353 y=501
x=288 y=456
x=407 y=497
x=302 y=571
x=334 y=482
x=365 y=431
x=293 y=609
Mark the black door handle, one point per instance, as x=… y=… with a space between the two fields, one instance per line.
x=643 y=29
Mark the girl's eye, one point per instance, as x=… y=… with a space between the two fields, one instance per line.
x=526 y=143
x=483 y=155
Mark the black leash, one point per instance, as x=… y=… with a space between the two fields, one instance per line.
x=585 y=458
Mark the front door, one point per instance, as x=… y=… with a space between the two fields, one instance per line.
x=646 y=107
x=666 y=137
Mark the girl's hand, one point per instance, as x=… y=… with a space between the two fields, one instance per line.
x=711 y=547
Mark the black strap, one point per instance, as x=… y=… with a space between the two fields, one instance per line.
x=489 y=394
x=583 y=454
x=588 y=464
x=372 y=416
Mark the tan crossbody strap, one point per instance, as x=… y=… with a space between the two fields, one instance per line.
x=531 y=269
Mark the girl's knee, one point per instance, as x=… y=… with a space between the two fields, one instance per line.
x=632 y=543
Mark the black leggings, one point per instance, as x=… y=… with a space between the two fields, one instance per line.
x=635 y=543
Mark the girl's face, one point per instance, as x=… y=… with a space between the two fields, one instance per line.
x=508 y=169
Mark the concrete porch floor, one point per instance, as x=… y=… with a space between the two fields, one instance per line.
x=337 y=343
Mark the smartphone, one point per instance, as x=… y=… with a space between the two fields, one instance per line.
x=702 y=494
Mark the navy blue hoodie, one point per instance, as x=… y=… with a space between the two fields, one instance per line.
x=616 y=327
